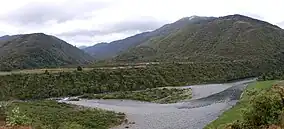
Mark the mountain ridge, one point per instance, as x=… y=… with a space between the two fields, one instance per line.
x=112 y=49
x=38 y=50
x=222 y=38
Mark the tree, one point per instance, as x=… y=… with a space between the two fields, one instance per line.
x=46 y=72
x=79 y=68
x=5 y=67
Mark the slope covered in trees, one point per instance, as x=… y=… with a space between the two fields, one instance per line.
x=37 y=51
x=228 y=38
x=109 y=50
x=38 y=86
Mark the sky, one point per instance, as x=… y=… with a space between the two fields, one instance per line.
x=87 y=22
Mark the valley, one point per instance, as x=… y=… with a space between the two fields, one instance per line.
x=194 y=73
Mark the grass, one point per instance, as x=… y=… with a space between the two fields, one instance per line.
x=39 y=71
x=234 y=113
x=158 y=95
x=53 y=115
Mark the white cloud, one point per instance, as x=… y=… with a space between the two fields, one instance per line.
x=281 y=24
x=117 y=19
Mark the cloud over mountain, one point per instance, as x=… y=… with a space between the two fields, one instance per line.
x=86 y=22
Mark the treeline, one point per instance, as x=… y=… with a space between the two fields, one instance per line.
x=272 y=69
x=39 y=86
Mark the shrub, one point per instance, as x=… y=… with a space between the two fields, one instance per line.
x=68 y=125
x=235 y=125
x=15 y=117
x=79 y=68
x=264 y=109
x=163 y=95
x=46 y=72
x=3 y=109
x=5 y=67
x=54 y=115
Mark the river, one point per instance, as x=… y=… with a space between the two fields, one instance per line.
x=208 y=102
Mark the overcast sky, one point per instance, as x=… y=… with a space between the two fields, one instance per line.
x=87 y=22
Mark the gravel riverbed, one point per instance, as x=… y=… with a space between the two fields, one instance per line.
x=208 y=102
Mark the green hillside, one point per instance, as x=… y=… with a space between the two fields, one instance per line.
x=228 y=38
x=102 y=51
x=46 y=85
x=38 y=51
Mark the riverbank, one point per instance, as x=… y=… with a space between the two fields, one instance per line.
x=177 y=115
x=54 y=115
x=156 y=95
x=235 y=113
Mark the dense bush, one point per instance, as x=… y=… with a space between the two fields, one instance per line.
x=265 y=109
x=163 y=95
x=15 y=118
x=53 y=115
x=79 y=68
x=37 y=86
x=3 y=108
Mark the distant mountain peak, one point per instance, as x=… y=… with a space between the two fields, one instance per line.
x=193 y=17
x=82 y=47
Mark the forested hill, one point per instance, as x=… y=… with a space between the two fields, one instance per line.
x=228 y=38
x=102 y=51
x=38 y=50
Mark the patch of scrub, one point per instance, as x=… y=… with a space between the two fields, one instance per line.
x=158 y=95
x=234 y=113
x=54 y=115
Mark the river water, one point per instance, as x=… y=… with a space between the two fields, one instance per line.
x=208 y=102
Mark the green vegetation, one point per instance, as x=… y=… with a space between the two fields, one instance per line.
x=208 y=50
x=15 y=117
x=265 y=110
x=40 y=71
x=102 y=51
x=236 y=113
x=228 y=38
x=39 y=86
x=53 y=115
x=159 y=95
x=79 y=68
x=38 y=51
x=3 y=108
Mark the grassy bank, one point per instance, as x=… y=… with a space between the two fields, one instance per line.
x=53 y=115
x=235 y=113
x=160 y=95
